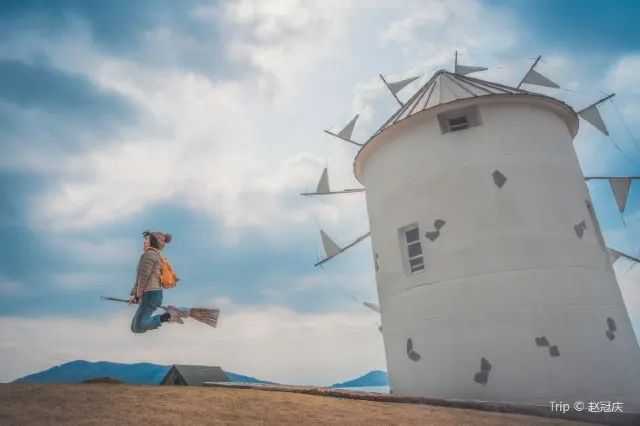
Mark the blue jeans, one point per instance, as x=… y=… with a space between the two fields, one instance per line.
x=143 y=320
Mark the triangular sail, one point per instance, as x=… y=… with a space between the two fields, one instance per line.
x=464 y=70
x=620 y=187
x=332 y=249
x=347 y=131
x=324 y=189
x=323 y=185
x=592 y=115
x=537 y=79
x=397 y=86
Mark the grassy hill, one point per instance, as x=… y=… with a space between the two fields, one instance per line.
x=107 y=404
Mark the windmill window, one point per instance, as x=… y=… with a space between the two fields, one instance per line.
x=459 y=119
x=413 y=249
x=459 y=123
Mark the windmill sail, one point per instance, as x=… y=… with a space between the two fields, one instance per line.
x=332 y=249
x=464 y=70
x=397 y=86
x=592 y=115
x=345 y=133
x=620 y=187
x=537 y=79
x=323 y=187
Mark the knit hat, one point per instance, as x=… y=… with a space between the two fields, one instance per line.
x=161 y=237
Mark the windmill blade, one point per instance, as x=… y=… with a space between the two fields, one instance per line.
x=593 y=117
x=397 y=86
x=323 y=187
x=620 y=187
x=332 y=249
x=537 y=79
x=464 y=69
x=345 y=133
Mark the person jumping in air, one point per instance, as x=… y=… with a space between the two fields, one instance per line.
x=154 y=274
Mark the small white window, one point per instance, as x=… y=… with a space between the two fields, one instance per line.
x=413 y=249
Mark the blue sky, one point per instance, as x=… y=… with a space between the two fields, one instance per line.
x=205 y=119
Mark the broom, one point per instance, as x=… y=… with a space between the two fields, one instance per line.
x=204 y=315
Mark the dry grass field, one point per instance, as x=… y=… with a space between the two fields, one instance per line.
x=116 y=404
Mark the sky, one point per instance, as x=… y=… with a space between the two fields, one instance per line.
x=205 y=119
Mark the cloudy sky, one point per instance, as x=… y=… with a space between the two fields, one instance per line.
x=205 y=119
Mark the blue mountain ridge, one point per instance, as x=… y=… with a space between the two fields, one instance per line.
x=152 y=374
x=141 y=373
x=373 y=378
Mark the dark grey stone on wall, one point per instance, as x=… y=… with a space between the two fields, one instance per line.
x=611 y=324
x=438 y=224
x=542 y=341
x=610 y=335
x=432 y=235
x=554 y=351
x=579 y=229
x=485 y=365
x=499 y=179
x=414 y=356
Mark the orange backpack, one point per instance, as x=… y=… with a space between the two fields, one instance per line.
x=168 y=278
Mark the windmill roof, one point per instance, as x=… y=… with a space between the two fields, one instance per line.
x=445 y=87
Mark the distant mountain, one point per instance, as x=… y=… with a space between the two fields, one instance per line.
x=143 y=373
x=371 y=379
x=77 y=371
x=239 y=378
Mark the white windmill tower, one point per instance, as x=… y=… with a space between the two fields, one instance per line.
x=493 y=278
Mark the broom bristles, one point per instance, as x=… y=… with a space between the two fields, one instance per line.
x=205 y=315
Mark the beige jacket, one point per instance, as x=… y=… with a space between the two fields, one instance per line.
x=148 y=277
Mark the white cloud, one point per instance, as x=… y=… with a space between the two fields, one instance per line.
x=273 y=343
x=106 y=251
x=74 y=281
x=240 y=149
x=624 y=76
x=440 y=27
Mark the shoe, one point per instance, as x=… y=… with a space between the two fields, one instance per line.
x=176 y=315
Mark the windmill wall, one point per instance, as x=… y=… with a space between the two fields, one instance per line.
x=517 y=300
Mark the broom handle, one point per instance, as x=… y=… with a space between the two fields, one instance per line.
x=115 y=299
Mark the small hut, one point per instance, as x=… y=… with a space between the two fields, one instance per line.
x=193 y=375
